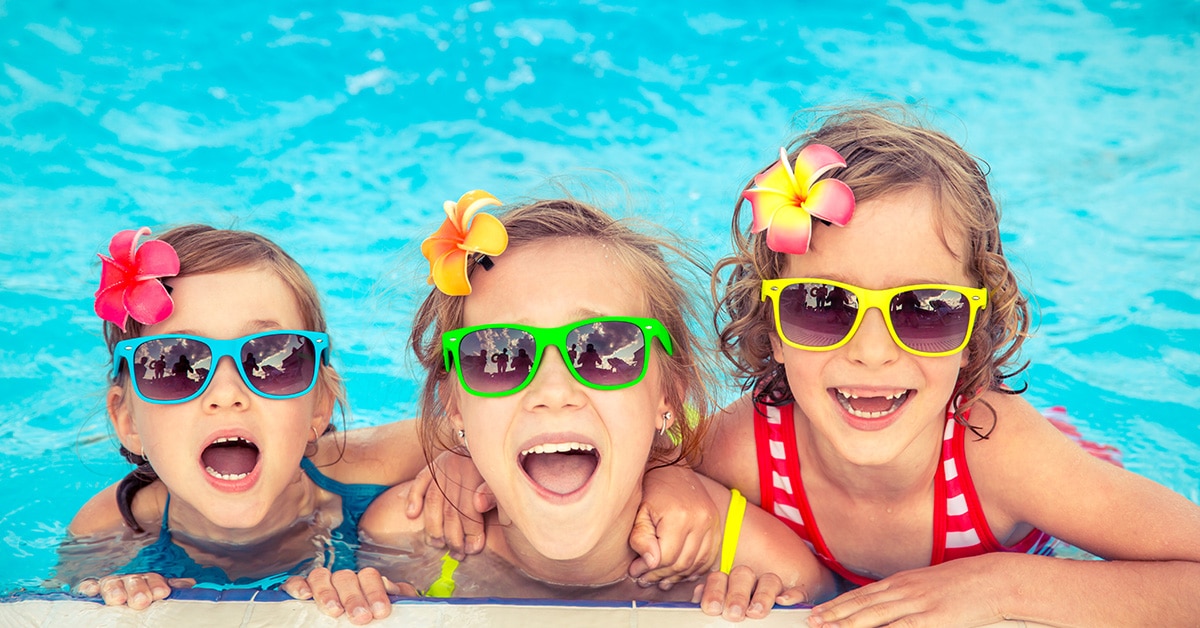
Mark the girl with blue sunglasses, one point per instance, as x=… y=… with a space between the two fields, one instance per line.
x=222 y=394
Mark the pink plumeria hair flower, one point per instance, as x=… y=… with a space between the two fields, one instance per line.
x=465 y=232
x=131 y=279
x=784 y=199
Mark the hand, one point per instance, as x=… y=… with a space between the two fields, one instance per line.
x=677 y=530
x=741 y=594
x=453 y=506
x=362 y=596
x=137 y=591
x=963 y=592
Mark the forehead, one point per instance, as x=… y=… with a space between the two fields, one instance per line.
x=554 y=282
x=230 y=304
x=893 y=239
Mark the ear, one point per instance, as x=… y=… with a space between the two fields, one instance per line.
x=323 y=410
x=120 y=415
x=776 y=346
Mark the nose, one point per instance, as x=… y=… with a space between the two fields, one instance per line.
x=872 y=344
x=553 y=387
x=226 y=388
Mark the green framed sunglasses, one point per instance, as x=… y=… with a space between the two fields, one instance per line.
x=606 y=353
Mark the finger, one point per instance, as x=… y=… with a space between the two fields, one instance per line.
x=766 y=590
x=472 y=525
x=112 y=590
x=712 y=602
x=297 y=587
x=320 y=583
x=353 y=599
x=792 y=597
x=485 y=499
x=89 y=587
x=137 y=591
x=400 y=589
x=452 y=530
x=434 y=526
x=374 y=587
x=416 y=493
x=737 y=596
x=181 y=583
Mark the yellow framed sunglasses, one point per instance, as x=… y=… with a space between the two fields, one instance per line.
x=929 y=320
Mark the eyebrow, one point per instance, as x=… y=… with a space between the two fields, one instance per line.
x=252 y=327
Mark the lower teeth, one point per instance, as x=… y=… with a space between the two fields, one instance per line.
x=225 y=476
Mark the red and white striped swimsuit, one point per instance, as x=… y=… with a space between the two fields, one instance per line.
x=959 y=526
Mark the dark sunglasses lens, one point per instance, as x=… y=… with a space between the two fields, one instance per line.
x=169 y=369
x=279 y=364
x=607 y=353
x=816 y=314
x=933 y=321
x=496 y=359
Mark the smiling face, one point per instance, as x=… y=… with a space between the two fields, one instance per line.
x=565 y=461
x=870 y=399
x=229 y=454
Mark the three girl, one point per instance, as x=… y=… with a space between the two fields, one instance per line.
x=876 y=343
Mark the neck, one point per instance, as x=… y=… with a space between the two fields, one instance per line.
x=604 y=564
x=912 y=472
x=290 y=514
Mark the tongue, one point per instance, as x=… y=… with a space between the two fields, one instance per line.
x=230 y=458
x=872 y=404
x=560 y=473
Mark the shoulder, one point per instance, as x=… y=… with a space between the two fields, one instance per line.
x=384 y=522
x=385 y=454
x=730 y=455
x=100 y=515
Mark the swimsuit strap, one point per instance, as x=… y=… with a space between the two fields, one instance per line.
x=733 y=529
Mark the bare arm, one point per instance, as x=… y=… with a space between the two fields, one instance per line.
x=730 y=456
x=1028 y=474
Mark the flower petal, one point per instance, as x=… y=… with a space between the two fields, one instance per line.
x=790 y=231
x=813 y=161
x=832 y=200
x=445 y=238
x=765 y=203
x=486 y=235
x=148 y=302
x=155 y=258
x=123 y=245
x=110 y=305
x=112 y=273
x=449 y=273
x=472 y=202
x=777 y=177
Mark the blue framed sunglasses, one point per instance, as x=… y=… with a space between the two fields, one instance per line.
x=277 y=364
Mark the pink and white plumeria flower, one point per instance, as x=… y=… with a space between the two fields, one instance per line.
x=784 y=199
x=130 y=280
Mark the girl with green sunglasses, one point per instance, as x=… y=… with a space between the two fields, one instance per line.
x=876 y=343
x=602 y=374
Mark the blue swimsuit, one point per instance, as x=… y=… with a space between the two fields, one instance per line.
x=171 y=561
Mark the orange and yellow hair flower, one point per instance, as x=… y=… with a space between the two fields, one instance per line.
x=784 y=199
x=459 y=236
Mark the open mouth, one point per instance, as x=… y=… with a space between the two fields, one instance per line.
x=874 y=407
x=230 y=458
x=560 y=468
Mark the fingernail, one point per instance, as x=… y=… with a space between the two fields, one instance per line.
x=378 y=608
x=360 y=611
x=755 y=608
x=333 y=605
x=140 y=598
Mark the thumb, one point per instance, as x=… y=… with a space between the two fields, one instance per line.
x=643 y=539
x=416 y=493
x=485 y=499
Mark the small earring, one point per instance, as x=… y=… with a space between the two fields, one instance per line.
x=316 y=437
x=462 y=435
x=666 y=421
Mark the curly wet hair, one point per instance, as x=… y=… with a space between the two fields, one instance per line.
x=887 y=150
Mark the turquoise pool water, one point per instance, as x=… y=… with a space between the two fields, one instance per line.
x=339 y=130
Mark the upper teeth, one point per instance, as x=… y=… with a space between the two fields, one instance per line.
x=886 y=396
x=555 y=448
x=229 y=439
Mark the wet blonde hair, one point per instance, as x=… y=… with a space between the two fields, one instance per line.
x=203 y=249
x=886 y=151
x=686 y=373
